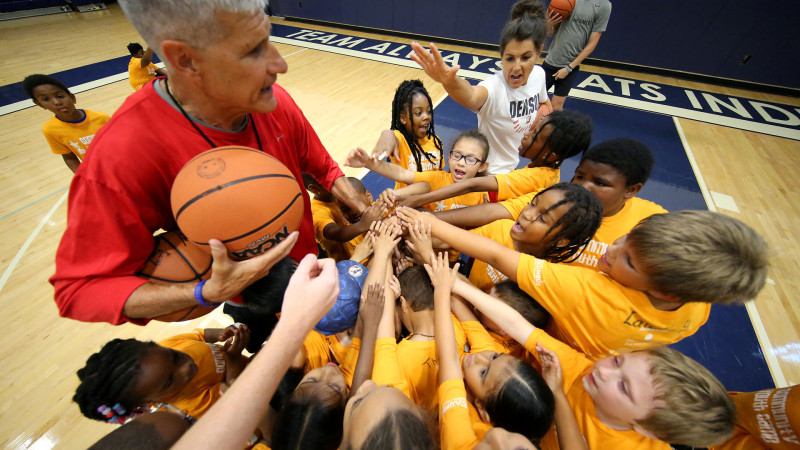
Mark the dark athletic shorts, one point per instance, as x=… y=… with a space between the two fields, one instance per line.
x=563 y=85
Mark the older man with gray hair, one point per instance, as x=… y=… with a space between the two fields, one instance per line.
x=221 y=91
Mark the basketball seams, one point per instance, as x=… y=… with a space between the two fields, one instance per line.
x=276 y=217
x=208 y=192
x=258 y=200
x=169 y=264
x=185 y=259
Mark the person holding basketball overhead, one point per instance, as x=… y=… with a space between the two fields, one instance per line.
x=506 y=102
x=575 y=39
x=221 y=91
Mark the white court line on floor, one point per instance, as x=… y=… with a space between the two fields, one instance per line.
x=755 y=318
x=724 y=201
x=294 y=53
x=29 y=241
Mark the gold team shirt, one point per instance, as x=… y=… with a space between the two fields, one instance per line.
x=768 y=419
x=479 y=339
x=483 y=276
x=323 y=214
x=73 y=137
x=460 y=426
x=597 y=316
x=407 y=161
x=412 y=366
x=524 y=181
x=138 y=75
x=574 y=366
x=320 y=350
x=498 y=343
x=203 y=389
x=611 y=228
x=439 y=179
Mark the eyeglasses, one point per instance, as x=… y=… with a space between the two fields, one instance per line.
x=469 y=159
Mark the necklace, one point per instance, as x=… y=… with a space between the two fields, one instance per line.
x=210 y=142
x=420 y=334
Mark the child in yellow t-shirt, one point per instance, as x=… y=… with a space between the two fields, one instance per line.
x=71 y=130
x=561 y=135
x=411 y=141
x=636 y=400
x=338 y=233
x=467 y=160
x=510 y=293
x=185 y=371
x=312 y=415
x=657 y=282
x=614 y=171
x=411 y=364
x=486 y=388
x=381 y=409
x=141 y=69
x=555 y=226
x=767 y=419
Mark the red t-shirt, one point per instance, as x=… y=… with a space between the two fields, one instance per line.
x=121 y=194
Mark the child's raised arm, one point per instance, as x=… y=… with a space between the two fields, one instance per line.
x=474 y=216
x=442 y=278
x=503 y=259
x=503 y=315
x=311 y=293
x=369 y=315
x=477 y=184
x=569 y=434
x=235 y=338
x=358 y=157
x=387 y=145
x=387 y=237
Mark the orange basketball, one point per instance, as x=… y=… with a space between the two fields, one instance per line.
x=541 y=113
x=563 y=7
x=176 y=260
x=244 y=197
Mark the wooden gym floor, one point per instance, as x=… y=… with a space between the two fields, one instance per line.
x=348 y=107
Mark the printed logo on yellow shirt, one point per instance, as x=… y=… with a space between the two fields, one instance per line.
x=592 y=254
x=77 y=146
x=460 y=402
x=219 y=357
x=537 y=272
x=426 y=165
x=495 y=275
x=781 y=428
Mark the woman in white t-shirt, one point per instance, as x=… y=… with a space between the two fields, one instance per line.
x=506 y=102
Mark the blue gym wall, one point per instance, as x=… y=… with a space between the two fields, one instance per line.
x=710 y=37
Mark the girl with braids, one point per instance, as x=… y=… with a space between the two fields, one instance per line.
x=561 y=135
x=184 y=372
x=411 y=141
x=506 y=102
x=555 y=226
x=467 y=160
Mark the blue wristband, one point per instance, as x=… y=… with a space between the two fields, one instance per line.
x=198 y=296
